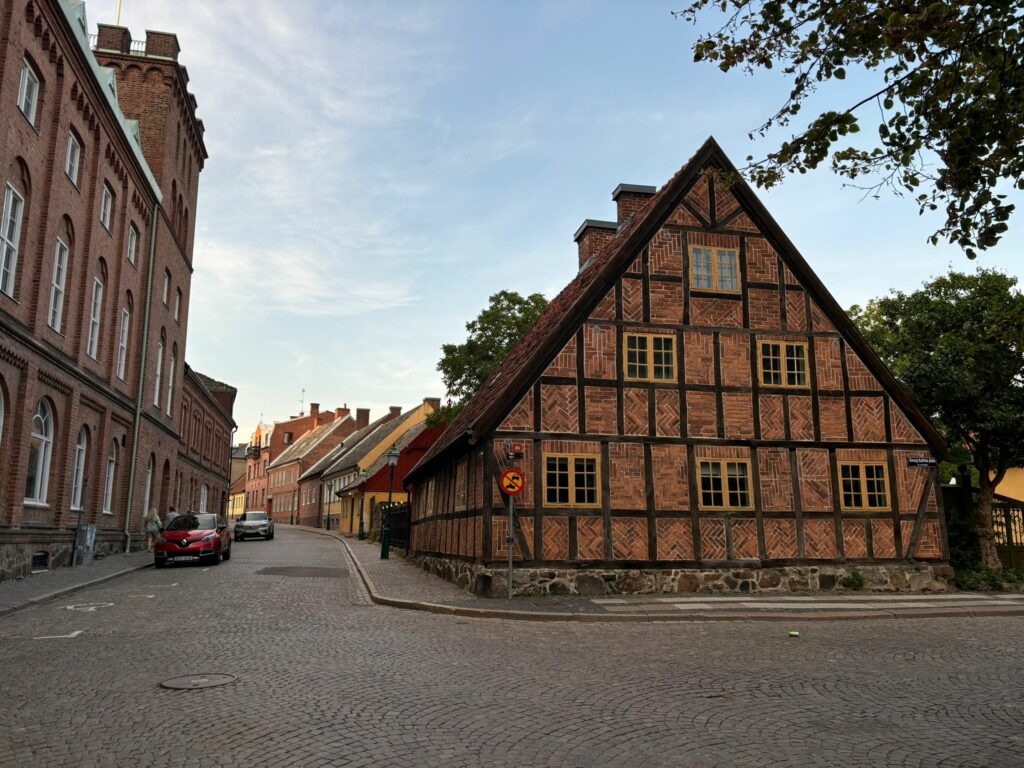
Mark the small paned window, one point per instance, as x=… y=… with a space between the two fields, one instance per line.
x=714 y=269
x=60 y=273
x=167 y=286
x=650 y=357
x=92 y=345
x=10 y=238
x=74 y=155
x=28 y=91
x=783 y=364
x=122 y=343
x=571 y=481
x=106 y=206
x=725 y=484
x=133 y=243
x=864 y=486
x=177 y=304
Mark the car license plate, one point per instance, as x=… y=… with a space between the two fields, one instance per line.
x=187 y=557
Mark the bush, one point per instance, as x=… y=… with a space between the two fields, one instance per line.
x=982 y=579
x=854 y=581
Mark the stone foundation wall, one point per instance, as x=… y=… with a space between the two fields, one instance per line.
x=16 y=558
x=492 y=582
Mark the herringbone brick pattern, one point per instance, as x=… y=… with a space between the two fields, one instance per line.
x=605 y=309
x=780 y=539
x=683 y=217
x=564 y=363
x=556 y=537
x=820 y=538
x=632 y=300
x=815 y=480
x=868 y=414
x=788 y=275
x=499 y=528
x=626 y=483
x=725 y=202
x=629 y=538
x=590 y=537
x=907 y=530
x=525 y=523
x=762 y=261
x=773 y=426
x=666 y=302
x=601 y=410
x=929 y=544
x=883 y=541
x=776 y=479
x=855 y=538
x=744 y=539
x=796 y=311
x=675 y=539
x=699 y=199
x=832 y=411
x=720 y=313
x=666 y=253
x=744 y=224
x=599 y=351
x=558 y=408
x=634 y=411
x=700 y=357
x=860 y=377
x=712 y=539
x=819 y=322
x=801 y=417
x=521 y=417
x=902 y=430
x=738 y=415
x=701 y=414
x=671 y=483
x=735 y=359
x=666 y=412
x=910 y=480
x=764 y=310
x=828 y=365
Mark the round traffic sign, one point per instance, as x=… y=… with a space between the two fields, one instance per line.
x=512 y=482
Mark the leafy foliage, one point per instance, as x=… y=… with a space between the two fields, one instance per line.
x=957 y=345
x=949 y=102
x=853 y=581
x=495 y=331
x=985 y=579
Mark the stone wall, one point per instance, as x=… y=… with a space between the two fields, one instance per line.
x=492 y=582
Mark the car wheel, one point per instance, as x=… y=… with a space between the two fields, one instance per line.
x=215 y=558
x=159 y=563
x=227 y=553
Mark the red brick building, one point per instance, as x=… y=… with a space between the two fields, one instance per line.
x=697 y=412
x=100 y=155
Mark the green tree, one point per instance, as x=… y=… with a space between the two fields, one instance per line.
x=495 y=331
x=957 y=345
x=949 y=101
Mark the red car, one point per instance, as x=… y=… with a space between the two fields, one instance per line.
x=193 y=538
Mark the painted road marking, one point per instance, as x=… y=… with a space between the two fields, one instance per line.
x=88 y=607
x=76 y=633
x=148 y=597
x=161 y=586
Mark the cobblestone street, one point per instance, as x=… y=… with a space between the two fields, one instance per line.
x=326 y=679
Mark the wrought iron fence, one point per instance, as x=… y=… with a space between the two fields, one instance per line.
x=399 y=518
x=1008 y=527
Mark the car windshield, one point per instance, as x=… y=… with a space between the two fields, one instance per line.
x=193 y=523
x=252 y=517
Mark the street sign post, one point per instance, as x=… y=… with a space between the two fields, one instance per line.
x=922 y=461
x=512 y=483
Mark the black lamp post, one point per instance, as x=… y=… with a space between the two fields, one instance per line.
x=362 y=496
x=385 y=525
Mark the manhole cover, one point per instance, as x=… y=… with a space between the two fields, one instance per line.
x=302 y=570
x=193 y=682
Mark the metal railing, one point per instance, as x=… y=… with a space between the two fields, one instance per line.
x=136 y=48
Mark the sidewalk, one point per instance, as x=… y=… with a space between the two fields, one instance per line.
x=401 y=584
x=22 y=593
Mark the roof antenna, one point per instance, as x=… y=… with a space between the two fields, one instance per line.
x=118 y=22
x=302 y=402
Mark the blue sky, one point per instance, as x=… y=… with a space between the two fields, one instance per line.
x=378 y=169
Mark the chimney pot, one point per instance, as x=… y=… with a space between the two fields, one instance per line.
x=362 y=417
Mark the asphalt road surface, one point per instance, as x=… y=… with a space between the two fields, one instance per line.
x=323 y=678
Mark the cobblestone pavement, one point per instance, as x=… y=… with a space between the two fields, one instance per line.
x=326 y=679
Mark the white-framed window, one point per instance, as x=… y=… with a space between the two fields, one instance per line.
x=28 y=91
x=177 y=305
x=60 y=273
x=40 y=448
x=73 y=158
x=95 y=313
x=170 y=383
x=158 y=379
x=122 y=343
x=167 y=286
x=133 y=243
x=204 y=494
x=10 y=237
x=147 y=494
x=108 y=484
x=106 y=206
x=78 y=478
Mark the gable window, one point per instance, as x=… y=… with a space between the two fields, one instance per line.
x=28 y=91
x=725 y=484
x=106 y=206
x=177 y=304
x=714 y=269
x=783 y=364
x=60 y=270
x=93 y=343
x=39 y=449
x=133 y=243
x=650 y=357
x=571 y=481
x=74 y=155
x=108 y=485
x=864 y=486
x=78 y=478
x=10 y=237
x=122 y=343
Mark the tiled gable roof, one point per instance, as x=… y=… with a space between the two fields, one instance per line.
x=372 y=440
x=307 y=443
x=400 y=444
x=503 y=390
x=340 y=450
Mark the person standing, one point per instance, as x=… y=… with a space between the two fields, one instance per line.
x=152 y=522
x=171 y=514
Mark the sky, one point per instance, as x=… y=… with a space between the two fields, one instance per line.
x=378 y=169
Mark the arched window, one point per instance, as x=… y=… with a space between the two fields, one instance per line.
x=108 y=485
x=170 y=379
x=147 y=495
x=10 y=237
x=78 y=478
x=158 y=382
x=39 y=451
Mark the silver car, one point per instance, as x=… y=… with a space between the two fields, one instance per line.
x=254 y=524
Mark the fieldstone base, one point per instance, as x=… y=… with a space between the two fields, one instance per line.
x=591 y=582
x=16 y=558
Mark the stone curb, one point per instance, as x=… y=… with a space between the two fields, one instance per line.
x=73 y=588
x=496 y=613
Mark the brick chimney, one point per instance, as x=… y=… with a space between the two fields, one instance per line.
x=341 y=413
x=394 y=412
x=362 y=417
x=163 y=44
x=630 y=198
x=592 y=236
x=432 y=403
x=111 y=38
x=314 y=411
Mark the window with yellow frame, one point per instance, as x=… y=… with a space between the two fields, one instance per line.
x=571 y=480
x=714 y=269
x=783 y=364
x=650 y=357
x=725 y=484
x=863 y=486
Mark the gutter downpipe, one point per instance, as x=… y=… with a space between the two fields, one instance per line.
x=142 y=378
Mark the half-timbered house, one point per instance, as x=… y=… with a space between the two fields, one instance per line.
x=695 y=411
